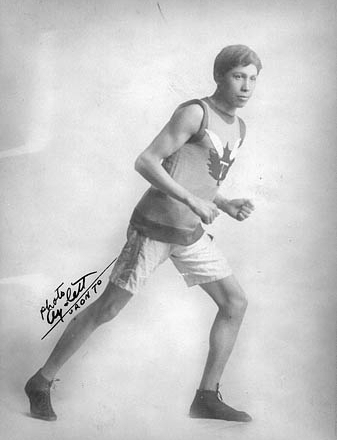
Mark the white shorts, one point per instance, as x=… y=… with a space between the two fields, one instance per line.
x=200 y=262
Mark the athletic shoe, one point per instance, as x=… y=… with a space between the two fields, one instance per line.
x=208 y=404
x=38 y=392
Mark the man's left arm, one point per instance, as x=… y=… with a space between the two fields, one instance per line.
x=240 y=209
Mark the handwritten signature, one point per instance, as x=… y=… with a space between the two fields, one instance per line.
x=73 y=297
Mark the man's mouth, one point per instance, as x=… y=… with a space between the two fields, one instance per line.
x=244 y=98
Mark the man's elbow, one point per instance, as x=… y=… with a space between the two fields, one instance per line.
x=137 y=164
x=143 y=163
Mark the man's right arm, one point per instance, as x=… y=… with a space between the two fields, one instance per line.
x=184 y=123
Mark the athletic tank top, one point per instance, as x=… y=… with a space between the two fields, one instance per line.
x=200 y=166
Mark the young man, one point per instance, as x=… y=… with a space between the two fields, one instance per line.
x=185 y=165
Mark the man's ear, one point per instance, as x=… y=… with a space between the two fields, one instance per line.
x=218 y=78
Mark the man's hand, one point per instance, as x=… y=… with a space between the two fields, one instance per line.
x=205 y=209
x=240 y=209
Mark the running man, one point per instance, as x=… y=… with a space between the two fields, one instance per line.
x=185 y=165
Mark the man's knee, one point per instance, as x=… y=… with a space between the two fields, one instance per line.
x=110 y=303
x=229 y=297
x=240 y=302
x=234 y=304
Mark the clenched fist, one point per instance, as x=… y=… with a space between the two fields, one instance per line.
x=205 y=209
x=240 y=209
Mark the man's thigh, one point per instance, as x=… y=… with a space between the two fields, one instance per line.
x=202 y=262
x=138 y=260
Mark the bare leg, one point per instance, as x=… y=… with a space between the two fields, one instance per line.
x=106 y=307
x=232 y=304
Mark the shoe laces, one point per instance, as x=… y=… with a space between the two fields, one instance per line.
x=48 y=385
x=218 y=394
x=52 y=383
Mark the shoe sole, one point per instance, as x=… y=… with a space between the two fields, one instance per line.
x=210 y=417
x=46 y=419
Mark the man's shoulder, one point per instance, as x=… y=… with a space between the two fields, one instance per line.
x=194 y=103
x=193 y=108
x=193 y=113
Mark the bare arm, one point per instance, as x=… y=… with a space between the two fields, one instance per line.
x=184 y=123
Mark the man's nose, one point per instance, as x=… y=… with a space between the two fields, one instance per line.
x=246 y=85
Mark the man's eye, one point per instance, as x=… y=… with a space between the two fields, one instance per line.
x=253 y=78
x=237 y=76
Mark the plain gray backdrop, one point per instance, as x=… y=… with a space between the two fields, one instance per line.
x=86 y=86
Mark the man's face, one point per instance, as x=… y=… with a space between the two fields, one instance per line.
x=237 y=86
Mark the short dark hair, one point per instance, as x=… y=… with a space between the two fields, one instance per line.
x=233 y=56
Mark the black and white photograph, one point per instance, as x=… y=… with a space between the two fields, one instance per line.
x=168 y=220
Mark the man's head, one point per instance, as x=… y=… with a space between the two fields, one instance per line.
x=235 y=72
x=234 y=56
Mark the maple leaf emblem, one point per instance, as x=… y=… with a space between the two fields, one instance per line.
x=218 y=166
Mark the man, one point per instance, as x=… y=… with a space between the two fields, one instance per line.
x=185 y=165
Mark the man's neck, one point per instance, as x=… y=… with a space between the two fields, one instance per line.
x=218 y=102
